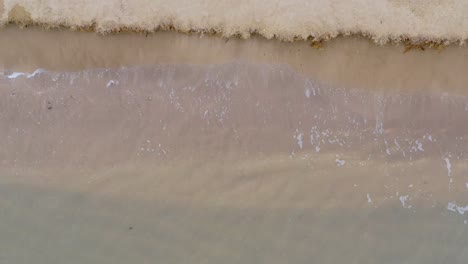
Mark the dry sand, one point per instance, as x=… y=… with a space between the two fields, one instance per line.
x=382 y=20
x=173 y=148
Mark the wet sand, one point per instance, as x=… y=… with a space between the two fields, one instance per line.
x=350 y=61
x=175 y=148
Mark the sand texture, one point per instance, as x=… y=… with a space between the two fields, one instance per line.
x=174 y=148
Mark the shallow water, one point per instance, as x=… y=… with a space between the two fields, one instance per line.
x=229 y=162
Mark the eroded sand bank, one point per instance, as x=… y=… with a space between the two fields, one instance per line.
x=175 y=148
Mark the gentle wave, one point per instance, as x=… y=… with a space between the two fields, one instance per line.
x=382 y=20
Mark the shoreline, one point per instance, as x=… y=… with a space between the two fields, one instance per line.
x=184 y=148
x=410 y=43
x=338 y=63
x=187 y=148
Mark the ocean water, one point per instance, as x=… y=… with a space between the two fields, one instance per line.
x=235 y=162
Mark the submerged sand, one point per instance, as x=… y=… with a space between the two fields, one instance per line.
x=186 y=149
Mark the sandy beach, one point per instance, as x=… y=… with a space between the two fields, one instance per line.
x=179 y=148
x=296 y=131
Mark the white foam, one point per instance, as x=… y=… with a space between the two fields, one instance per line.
x=369 y=199
x=387 y=150
x=112 y=83
x=299 y=139
x=452 y=206
x=404 y=199
x=449 y=166
x=420 y=146
x=15 y=75
x=36 y=72
x=340 y=163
